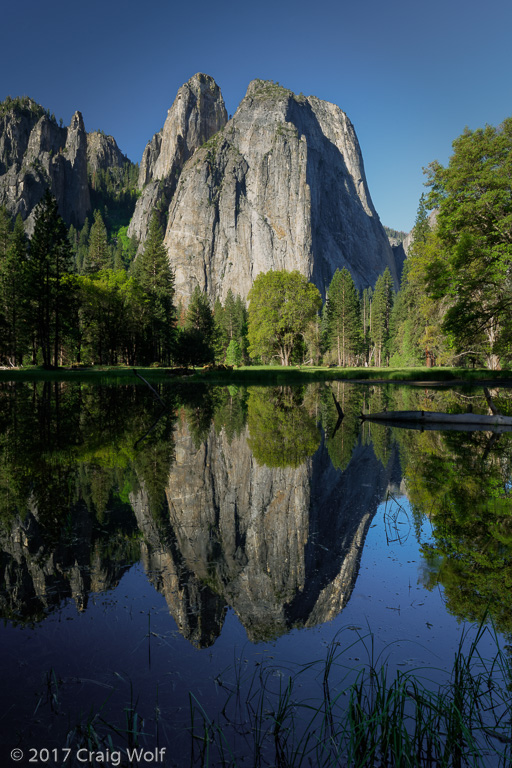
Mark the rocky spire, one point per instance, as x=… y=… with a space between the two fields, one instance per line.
x=197 y=113
x=282 y=186
x=37 y=154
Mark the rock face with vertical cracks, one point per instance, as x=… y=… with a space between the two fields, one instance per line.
x=103 y=153
x=37 y=154
x=281 y=546
x=281 y=186
x=197 y=113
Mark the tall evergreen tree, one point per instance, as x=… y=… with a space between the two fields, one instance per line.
x=343 y=317
x=13 y=270
x=382 y=303
x=49 y=289
x=231 y=324
x=98 y=253
x=366 y=325
x=415 y=327
x=83 y=248
x=5 y=243
x=153 y=273
x=199 y=332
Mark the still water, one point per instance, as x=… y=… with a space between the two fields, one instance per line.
x=155 y=564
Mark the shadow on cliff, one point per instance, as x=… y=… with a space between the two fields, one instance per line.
x=337 y=222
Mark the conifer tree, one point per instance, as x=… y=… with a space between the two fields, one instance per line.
x=98 y=254
x=200 y=328
x=13 y=286
x=415 y=326
x=231 y=324
x=153 y=273
x=221 y=339
x=366 y=325
x=5 y=243
x=382 y=303
x=48 y=288
x=234 y=353
x=83 y=248
x=343 y=317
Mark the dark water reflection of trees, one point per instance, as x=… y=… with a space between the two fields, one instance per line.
x=74 y=460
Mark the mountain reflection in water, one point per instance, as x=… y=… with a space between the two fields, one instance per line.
x=232 y=500
x=248 y=511
x=237 y=497
x=281 y=545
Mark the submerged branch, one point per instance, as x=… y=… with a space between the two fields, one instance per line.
x=151 y=388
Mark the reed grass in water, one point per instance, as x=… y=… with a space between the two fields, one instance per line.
x=335 y=711
x=374 y=721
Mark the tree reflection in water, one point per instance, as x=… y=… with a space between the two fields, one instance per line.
x=238 y=487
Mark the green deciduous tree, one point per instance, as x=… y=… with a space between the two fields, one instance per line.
x=281 y=305
x=473 y=195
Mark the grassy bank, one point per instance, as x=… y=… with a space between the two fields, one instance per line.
x=272 y=375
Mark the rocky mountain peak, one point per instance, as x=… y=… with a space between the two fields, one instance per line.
x=36 y=154
x=103 y=152
x=281 y=186
x=197 y=113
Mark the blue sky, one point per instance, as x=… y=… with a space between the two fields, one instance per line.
x=409 y=75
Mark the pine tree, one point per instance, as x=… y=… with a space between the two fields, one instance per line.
x=233 y=353
x=221 y=339
x=5 y=243
x=382 y=303
x=200 y=328
x=343 y=317
x=152 y=271
x=48 y=267
x=13 y=279
x=231 y=324
x=366 y=304
x=98 y=254
x=83 y=248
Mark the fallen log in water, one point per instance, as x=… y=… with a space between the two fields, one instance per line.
x=468 y=420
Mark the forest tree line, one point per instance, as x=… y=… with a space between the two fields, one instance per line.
x=71 y=297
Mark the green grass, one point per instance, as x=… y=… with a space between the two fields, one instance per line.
x=260 y=374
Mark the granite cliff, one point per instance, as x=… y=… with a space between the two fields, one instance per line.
x=37 y=153
x=197 y=113
x=103 y=152
x=281 y=186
